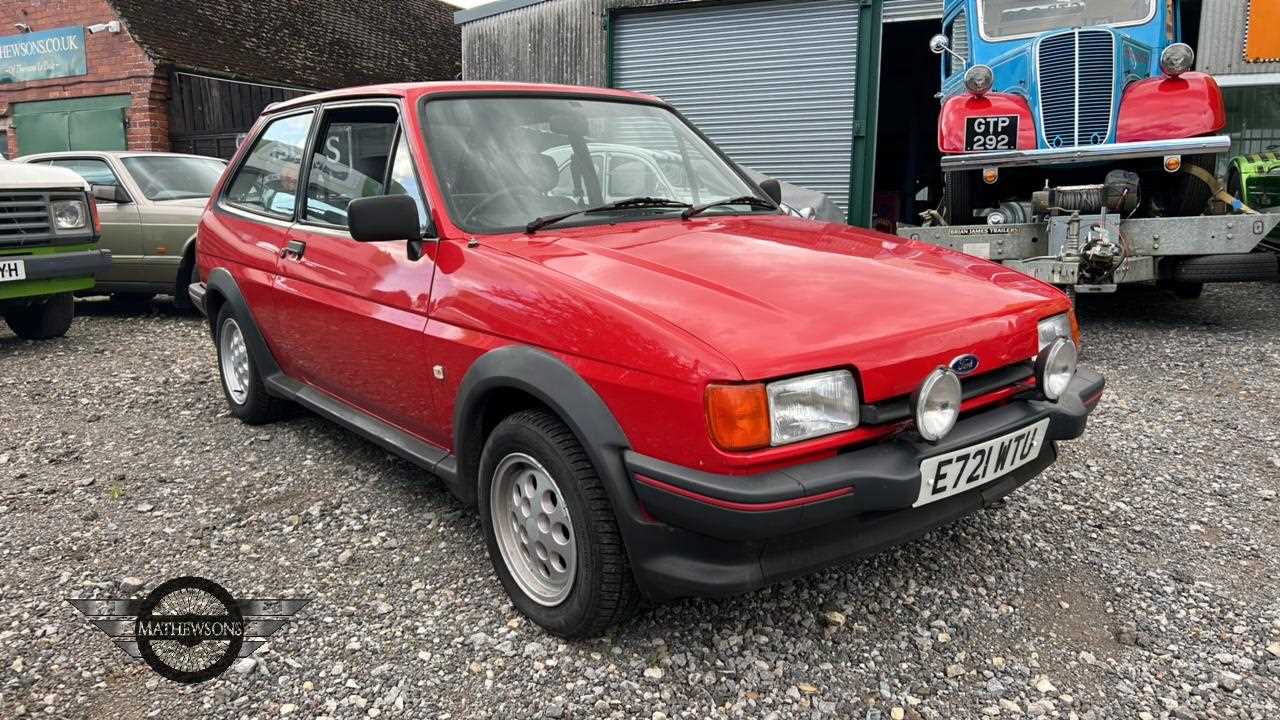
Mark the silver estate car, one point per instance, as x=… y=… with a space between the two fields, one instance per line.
x=149 y=203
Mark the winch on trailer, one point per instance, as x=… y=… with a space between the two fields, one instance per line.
x=1080 y=237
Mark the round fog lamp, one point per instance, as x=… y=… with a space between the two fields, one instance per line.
x=1177 y=59
x=1055 y=367
x=978 y=79
x=938 y=404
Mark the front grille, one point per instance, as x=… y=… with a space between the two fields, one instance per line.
x=899 y=408
x=24 y=219
x=1077 y=85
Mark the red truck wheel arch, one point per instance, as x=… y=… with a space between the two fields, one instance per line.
x=961 y=107
x=1163 y=108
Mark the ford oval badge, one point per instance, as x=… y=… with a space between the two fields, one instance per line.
x=965 y=364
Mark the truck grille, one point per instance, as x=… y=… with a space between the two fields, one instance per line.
x=24 y=219
x=1077 y=83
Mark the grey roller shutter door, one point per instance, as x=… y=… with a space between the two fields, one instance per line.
x=772 y=83
x=907 y=10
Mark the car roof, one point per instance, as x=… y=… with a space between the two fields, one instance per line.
x=114 y=154
x=414 y=91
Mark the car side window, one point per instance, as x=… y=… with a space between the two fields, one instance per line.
x=351 y=161
x=565 y=186
x=267 y=181
x=94 y=172
x=629 y=177
x=404 y=180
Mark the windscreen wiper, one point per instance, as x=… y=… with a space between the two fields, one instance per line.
x=751 y=200
x=635 y=202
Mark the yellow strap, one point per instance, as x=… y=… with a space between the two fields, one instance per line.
x=1216 y=187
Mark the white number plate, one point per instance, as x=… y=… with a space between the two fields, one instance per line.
x=12 y=270
x=942 y=476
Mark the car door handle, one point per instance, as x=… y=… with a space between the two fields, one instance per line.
x=294 y=250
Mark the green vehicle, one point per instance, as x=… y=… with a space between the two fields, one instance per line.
x=48 y=247
x=1255 y=180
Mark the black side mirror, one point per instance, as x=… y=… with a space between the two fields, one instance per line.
x=383 y=217
x=773 y=189
x=110 y=193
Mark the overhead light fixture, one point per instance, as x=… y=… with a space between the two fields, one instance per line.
x=111 y=27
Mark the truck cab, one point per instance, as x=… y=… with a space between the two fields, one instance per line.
x=1065 y=91
x=49 y=232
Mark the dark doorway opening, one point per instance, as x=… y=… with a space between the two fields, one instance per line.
x=908 y=179
x=1189 y=22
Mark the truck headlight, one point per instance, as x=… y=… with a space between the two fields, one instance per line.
x=69 y=214
x=937 y=404
x=1177 y=59
x=747 y=417
x=1055 y=366
x=978 y=79
x=1058 y=326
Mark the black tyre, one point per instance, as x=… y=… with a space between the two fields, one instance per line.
x=43 y=320
x=187 y=275
x=1240 y=267
x=1234 y=184
x=958 y=195
x=550 y=528
x=1187 y=290
x=1181 y=194
x=241 y=381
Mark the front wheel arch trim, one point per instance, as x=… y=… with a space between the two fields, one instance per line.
x=557 y=386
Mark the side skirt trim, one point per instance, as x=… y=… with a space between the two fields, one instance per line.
x=429 y=457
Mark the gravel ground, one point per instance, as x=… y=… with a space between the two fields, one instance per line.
x=1137 y=578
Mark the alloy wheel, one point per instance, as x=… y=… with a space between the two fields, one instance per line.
x=234 y=361
x=533 y=529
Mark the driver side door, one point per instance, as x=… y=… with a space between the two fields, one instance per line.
x=357 y=311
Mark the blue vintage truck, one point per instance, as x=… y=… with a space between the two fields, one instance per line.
x=1080 y=146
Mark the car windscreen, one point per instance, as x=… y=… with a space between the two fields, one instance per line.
x=502 y=162
x=174 y=178
x=1005 y=19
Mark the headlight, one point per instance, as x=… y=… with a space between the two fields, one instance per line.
x=806 y=407
x=978 y=79
x=747 y=417
x=69 y=214
x=1055 y=367
x=1177 y=59
x=1058 y=326
x=937 y=404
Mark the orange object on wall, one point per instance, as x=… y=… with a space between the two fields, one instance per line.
x=1262 y=38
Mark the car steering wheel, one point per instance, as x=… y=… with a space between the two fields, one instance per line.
x=507 y=192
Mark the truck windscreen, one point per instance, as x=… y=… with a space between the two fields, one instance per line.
x=1007 y=19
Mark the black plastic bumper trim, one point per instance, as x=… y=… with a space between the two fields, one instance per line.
x=198 y=292
x=76 y=264
x=677 y=563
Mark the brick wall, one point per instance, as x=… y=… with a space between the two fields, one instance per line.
x=117 y=66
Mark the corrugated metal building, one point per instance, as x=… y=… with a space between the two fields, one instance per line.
x=796 y=89
x=1251 y=86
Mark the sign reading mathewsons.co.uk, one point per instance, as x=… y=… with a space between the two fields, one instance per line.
x=42 y=55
